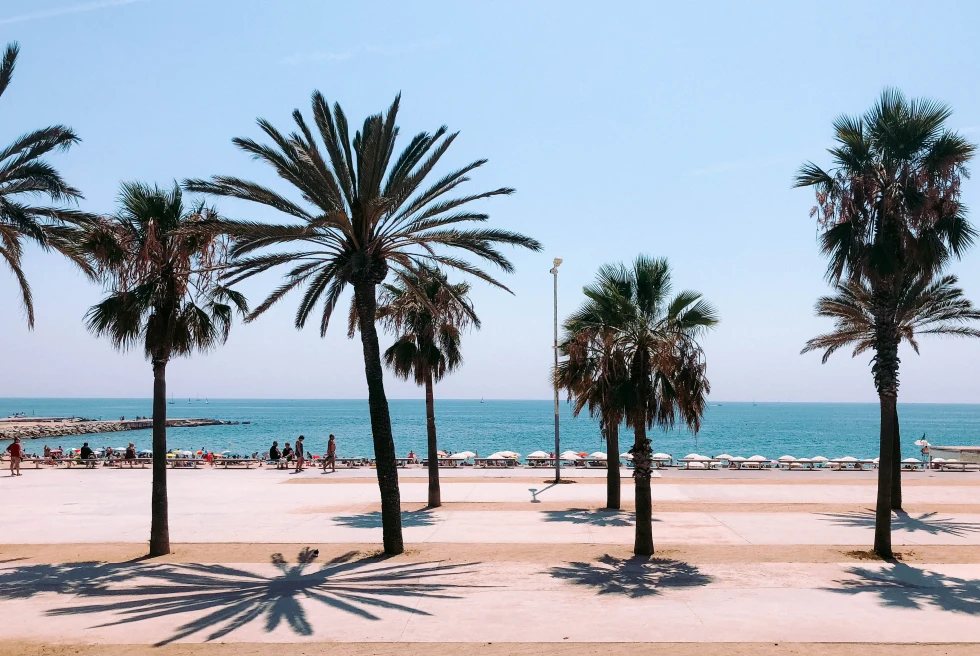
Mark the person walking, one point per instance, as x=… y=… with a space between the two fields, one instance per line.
x=331 y=458
x=300 y=454
x=16 y=452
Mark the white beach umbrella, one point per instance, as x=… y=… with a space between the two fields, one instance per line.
x=819 y=459
x=509 y=454
x=723 y=456
x=629 y=456
x=912 y=460
x=692 y=456
x=537 y=455
x=922 y=443
x=939 y=460
x=758 y=459
x=598 y=455
x=661 y=456
x=847 y=459
x=570 y=455
x=875 y=461
x=736 y=459
x=786 y=459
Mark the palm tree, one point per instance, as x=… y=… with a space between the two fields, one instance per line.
x=160 y=260
x=427 y=314
x=595 y=374
x=362 y=214
x=926 y=306
x=657 y=335
x=24 y=175
x=890 y=206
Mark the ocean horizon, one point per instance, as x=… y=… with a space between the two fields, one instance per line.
x=772 y=429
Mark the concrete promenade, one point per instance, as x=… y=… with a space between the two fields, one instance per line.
x=762 y=559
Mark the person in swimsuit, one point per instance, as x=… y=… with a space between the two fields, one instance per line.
x=16 y=452
x=299 y=454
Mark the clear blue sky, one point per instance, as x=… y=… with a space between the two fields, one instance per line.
x=672 y=129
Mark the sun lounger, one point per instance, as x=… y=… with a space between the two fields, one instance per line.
x=132 y=462
x=495 y=462
x=350 y=463
x=955 y=465
x=245 y=463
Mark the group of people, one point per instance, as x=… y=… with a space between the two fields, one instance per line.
x=15 y=451
x=298 y=454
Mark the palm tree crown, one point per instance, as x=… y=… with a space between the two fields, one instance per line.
x=893 y=195
x=657 y=335
x=366 y=212
x=927 y=306
x=160 y=261
x=25 y=175
x=428 y=315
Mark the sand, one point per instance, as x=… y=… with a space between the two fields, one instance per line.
x=494 y=552
x=496 y=649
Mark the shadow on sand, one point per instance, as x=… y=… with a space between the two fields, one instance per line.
x=592 y=517
x=901 y=586
x=222 y=599
x=415 y=518
x=633 y=577
x=929 y=523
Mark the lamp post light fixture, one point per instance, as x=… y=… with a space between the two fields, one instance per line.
x=554 y=272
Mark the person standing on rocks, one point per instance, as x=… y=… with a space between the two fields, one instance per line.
x=16 y=452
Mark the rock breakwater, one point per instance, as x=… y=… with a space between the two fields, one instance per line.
x=28 y=429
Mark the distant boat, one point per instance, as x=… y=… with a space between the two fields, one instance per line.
x=205 y=400
x=481 y=400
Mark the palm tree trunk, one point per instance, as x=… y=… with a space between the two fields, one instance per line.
x=435 y=496
x=612 y=466
x=159 y=522
x=896 y=466
x=643 y=544
x=883 y=509
x=384 y=443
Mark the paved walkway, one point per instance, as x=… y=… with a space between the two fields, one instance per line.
x=605 y=600
x=497 y=595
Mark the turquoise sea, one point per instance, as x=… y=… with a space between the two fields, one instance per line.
x=769 y=429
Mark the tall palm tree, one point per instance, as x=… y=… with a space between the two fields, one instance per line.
x=160 y=260
x=926 y=306
x=890 y=206
x=362 y=214
x=25 y=175
x=595 y=374
x=657 y=335
x=427 y=314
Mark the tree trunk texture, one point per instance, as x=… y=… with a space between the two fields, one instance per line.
x=613 y=501
x=435 y=495
x=885 y=370
x=642 y=464
x=159 y=512
x=384 y=444
x=896 y=466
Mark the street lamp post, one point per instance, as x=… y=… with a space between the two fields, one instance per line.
x=554 y=272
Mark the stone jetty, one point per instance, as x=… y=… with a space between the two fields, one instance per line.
x=28 y=428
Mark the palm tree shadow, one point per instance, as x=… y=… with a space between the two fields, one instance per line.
x=633 y=577
x=591 y=517
x=225 y=598
x=415 y=518
x=901 y=586
x=901 y=521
